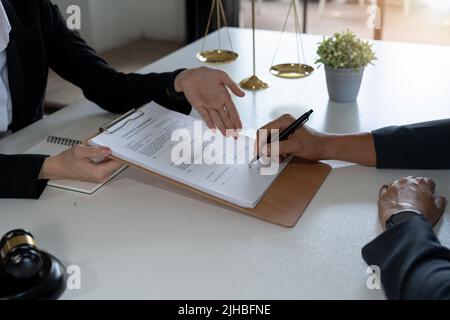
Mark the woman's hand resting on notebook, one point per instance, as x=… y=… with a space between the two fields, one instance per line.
x=207 y=91
x=77 y=164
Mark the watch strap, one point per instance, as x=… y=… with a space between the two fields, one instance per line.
x=400 y=217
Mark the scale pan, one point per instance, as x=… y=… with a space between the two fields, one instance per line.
x=217 y=56
x=253 y=83
x=291 y=70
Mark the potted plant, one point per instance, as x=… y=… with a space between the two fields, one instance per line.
x=345 y=58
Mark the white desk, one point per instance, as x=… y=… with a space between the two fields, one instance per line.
x=135 y=239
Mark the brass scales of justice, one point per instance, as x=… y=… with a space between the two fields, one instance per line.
x=217 y=56
x=292 y=70
x=295 y=70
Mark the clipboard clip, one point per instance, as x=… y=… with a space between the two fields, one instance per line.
x=136 y=113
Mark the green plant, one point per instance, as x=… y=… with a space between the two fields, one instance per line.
x=345 y=51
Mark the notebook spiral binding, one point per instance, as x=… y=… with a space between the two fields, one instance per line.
x=63 y=141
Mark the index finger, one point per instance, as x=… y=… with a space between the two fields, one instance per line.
x=281 y=123
x=431 y=184
x=86 y=152
x=383 y=191
x=234 y=113
x=233 y=87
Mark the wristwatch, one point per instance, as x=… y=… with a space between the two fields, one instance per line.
x=171 y=92
x=400 y=217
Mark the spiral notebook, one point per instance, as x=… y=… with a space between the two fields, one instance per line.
x=54 y=145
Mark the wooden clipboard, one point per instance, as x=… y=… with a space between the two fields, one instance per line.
x=284 y=202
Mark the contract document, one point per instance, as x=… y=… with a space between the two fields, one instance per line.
x=181 y=148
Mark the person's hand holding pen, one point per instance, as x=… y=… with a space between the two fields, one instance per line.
x=302 y=141
x=309 y=144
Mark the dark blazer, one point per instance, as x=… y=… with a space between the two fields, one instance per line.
x=40 y=40
x=413 y=264
x=417 y=146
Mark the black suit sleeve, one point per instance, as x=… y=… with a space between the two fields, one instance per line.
x=19 y=178
x=413 y=264
x=75 y=61
x=418 y=146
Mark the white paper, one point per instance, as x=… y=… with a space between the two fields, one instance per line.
x=145 y=141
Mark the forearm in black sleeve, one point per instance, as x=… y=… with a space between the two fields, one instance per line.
x=20 y=176
x=413 y=264
x=417 y=146
x=75 y=61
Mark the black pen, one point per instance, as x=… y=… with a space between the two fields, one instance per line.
x=297 y=124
